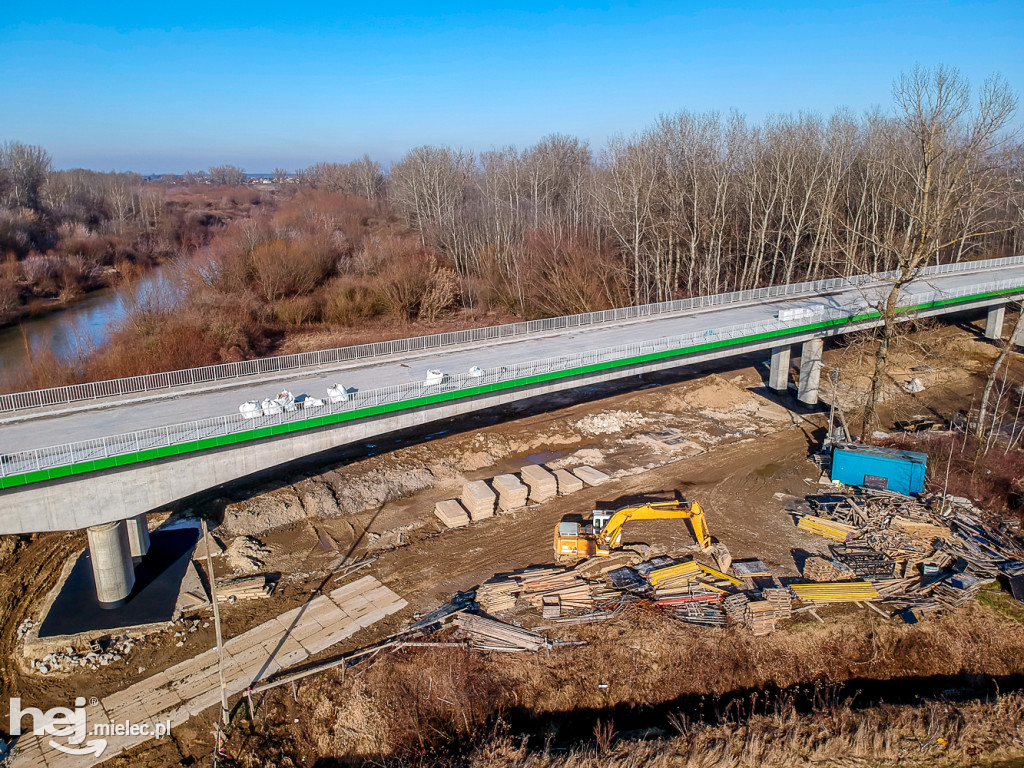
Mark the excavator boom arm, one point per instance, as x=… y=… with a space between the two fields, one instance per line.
x=671 y=510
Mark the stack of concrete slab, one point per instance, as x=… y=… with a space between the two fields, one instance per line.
x=511 y=493
x=591 y=476
x=567 y=482
x=542 y=484
x=479 y=500
x=451 y=513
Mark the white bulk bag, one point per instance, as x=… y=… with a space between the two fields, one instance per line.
x=337 y=394
x=271 y=407
x=250 y=409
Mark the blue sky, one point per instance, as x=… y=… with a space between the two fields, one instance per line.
x=164 y=87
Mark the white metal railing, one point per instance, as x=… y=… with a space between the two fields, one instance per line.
x=177 y=434
x=268 y=365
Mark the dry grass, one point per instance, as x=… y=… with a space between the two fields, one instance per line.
x=441 y=704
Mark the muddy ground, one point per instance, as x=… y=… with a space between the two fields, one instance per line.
x=378 y=499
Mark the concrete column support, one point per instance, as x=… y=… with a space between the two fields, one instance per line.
x=994 y=322
x=112 y=568
x=138 y=536
x=810 y=371
x=778 y=378
x=1018 y=336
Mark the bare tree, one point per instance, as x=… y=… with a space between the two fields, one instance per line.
x=946 y=155
x=227 y=176
x=23 y=172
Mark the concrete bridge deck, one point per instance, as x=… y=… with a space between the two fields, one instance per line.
x=22 y=430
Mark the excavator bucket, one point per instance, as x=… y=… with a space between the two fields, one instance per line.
x=722 y=556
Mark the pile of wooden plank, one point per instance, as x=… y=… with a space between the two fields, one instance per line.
x=677 y=574
x=835 y=592
x=780 y=600
x=479 y=500
x=591 y=476
x=687 y=581
x=498 y=594
x=830 y=529
x=451 y=513
x=245 y=588
x=573 y=592
x=822 y=569
x=957 y=589
x=567 y=482
x=512 y=494
x=542 y=484
x=493 y=635
x=759 y=617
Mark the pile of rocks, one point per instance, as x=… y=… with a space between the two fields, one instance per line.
x=71 y=659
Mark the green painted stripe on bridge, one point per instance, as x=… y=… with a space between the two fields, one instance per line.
x=152 y=454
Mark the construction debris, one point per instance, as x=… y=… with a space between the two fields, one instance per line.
x=451 y=513
x=542 y=484
x=512 y=493
x=921 y=555
x=479 y=500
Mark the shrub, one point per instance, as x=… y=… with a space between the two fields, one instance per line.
x=349 y=301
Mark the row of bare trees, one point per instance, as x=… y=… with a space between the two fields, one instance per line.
x=701 y=203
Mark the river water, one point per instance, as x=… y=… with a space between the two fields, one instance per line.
x=86 y=324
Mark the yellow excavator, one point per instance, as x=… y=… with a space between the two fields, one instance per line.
x=574 y=541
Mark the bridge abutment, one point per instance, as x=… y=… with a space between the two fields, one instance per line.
x=112 y=567
x=810 y=371
x=994 y=322
x=778 y=377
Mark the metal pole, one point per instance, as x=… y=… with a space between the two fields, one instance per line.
x=216 y=624
x=834 y=378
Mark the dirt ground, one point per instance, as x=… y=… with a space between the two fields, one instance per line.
x=754 y=450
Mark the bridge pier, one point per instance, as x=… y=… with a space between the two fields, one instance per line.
x=778 y=377
x=810 y=371
x=994 y=322
x=138 y=536
x=112 y=568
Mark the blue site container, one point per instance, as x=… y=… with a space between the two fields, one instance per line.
x=884 y=468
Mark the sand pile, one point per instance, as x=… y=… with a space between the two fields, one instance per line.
x=245 y=554
x=719 y=397
x=609 y=422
